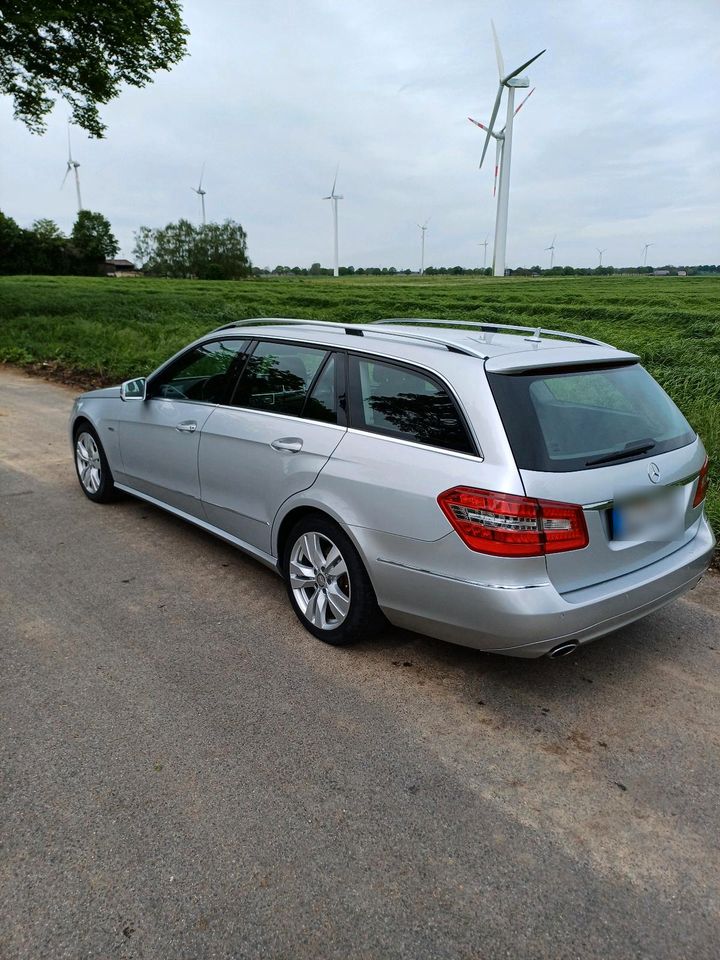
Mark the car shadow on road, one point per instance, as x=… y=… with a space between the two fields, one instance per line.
x=626 y=658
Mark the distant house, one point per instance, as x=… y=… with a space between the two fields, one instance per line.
x=661 y=273
x=682 y=273
x=120 y=268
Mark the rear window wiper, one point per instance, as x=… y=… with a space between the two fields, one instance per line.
x=631 y=450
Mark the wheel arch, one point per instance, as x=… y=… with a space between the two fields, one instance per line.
x=292 y=511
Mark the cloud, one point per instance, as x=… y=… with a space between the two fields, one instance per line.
x=618 y=146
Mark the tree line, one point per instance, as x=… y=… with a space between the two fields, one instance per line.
x=316 y=270
x=43 y=248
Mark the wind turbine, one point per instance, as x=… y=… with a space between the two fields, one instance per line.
x=510 y=82
x=334 y=197
x=645 y=250
x=422 y=227
x=74 y=166
x=500 y=139
x=600 y=253
x=484 y=245
x=551 y=248
x=200 y=192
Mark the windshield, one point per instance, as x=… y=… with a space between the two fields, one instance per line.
x=576 y=419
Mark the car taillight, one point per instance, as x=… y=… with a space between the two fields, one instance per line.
x=702 y=484
x=506 y=525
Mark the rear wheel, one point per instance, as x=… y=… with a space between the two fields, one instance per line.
x=92 y=467
x=327 y=583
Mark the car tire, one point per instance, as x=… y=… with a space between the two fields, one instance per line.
x=91 y=465
x=327 y=583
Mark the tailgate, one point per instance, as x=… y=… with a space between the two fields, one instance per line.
x=607 y=494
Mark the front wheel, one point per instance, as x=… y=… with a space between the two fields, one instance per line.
x=93 y=470
x=327 y=583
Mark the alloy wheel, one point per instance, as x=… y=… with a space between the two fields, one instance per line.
x=89 y=467
x=320 y=581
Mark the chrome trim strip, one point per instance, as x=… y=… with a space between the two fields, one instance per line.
x=472 y=583
x=601 y=505
x=609 y=504
x=281 y=416
x=419 y=446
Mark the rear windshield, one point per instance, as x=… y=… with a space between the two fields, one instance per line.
x=577 y=419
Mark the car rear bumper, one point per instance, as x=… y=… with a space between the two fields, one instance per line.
x=529 y=621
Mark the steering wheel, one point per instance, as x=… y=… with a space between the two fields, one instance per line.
x=170 y=392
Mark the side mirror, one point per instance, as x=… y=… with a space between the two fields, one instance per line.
x=133 y=389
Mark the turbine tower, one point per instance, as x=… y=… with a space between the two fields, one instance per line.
x=74 y=166
x=334 y=197
x=510 y=82
x=422 y=227
x=600 y=254
x=201 y=193
x=551 y=248
x=645 y=250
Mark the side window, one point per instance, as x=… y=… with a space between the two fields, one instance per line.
x=277 y=377
x=202 y=374
x=391 y=399
x=321 y=404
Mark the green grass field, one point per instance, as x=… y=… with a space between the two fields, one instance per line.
x=104 y=329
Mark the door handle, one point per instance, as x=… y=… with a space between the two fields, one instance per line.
x=288 y=444
x=187 y=426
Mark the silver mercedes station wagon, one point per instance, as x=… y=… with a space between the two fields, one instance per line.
x=515 y=490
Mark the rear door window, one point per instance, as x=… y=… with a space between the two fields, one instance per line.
x=398 y=401
x=567 y=419
x=278 y=377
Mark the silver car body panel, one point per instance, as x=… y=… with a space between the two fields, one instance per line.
x=226 y=477
x=244 y=478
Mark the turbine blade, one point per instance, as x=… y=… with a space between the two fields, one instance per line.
x=524 y=65
x=477 y=123
x=202 y=174
x=69 y=148
x=65 y=177
x=498 y=52
x=553 y=241
x=490 y=126
x=498 y=152
x=337 y=169
x=524 y=99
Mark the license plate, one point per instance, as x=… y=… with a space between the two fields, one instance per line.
x=656 y=518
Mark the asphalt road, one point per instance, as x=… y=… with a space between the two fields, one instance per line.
x=187 y=774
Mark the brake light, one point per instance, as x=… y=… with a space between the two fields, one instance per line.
x=507 y=525
x=702 y=484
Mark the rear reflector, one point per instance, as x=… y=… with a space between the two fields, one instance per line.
x=702 y=484
x=506 y=525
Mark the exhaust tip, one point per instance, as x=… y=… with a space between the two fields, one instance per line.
x=563 y=649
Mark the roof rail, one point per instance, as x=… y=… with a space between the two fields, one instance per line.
x=361 y=330
x=493 y=328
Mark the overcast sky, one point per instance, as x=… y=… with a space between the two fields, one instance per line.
x=618 y=146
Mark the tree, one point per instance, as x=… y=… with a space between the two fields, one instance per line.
x=46 y=249
x=93 y=240
x=83 y=51
x=216 y=251
x=12 y=243
x=219 y=252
